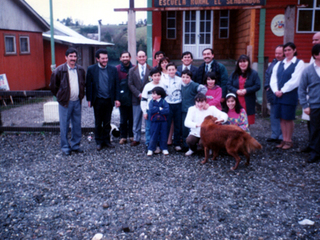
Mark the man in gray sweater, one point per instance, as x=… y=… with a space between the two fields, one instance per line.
x=310 y=85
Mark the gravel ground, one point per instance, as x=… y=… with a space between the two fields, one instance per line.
x=124 y=194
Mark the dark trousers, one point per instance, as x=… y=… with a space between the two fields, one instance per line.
x=185 y=130
x=158 y=133
x=315 y=132
x=102 y=114
x=126 y=121
x=192 y=142
x=175 y=115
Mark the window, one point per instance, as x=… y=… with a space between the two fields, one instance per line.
x=309 y=16
x=24 y=44
x=171 y=25
x=224 y=24
x=10 y=44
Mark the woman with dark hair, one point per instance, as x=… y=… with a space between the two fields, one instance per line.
x=284 y=83
x=245 y=82
x=162 y=66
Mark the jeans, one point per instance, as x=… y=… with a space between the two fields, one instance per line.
x=175 y=115
x=66 y=114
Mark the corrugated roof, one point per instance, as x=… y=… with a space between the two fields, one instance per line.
x=64 y=34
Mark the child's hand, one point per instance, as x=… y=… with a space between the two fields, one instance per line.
x=145 y=116
x=219 y=122
x=160 y=108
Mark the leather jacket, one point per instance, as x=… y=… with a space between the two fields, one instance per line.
x=59 y=83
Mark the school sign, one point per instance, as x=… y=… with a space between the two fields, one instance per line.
x=207 y=3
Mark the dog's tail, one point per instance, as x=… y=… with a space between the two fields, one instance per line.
x=251 y=144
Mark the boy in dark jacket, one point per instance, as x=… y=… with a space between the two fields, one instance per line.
x=158 y=110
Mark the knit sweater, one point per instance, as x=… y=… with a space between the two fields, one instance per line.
x=188 y=92
x=214 y=96
x=239 y=119
x=196 y=116
x=309 y=86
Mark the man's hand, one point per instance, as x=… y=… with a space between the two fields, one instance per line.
x=117 y=103
x=89 y=104
x=140 y=96
x=307 y=111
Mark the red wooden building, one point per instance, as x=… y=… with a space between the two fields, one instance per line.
x=234 y=27
x=21 y=46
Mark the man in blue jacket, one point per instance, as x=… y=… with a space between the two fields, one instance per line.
x=102 y=87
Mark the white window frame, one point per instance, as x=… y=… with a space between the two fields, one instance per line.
x=313 y=8
x=223 y=28
x=14 y=44
x=28 y=41
x=172 y=28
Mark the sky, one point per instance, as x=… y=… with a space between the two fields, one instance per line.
x=88 y=11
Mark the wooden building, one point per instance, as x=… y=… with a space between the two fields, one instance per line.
x=21 y=45
x=234 y=27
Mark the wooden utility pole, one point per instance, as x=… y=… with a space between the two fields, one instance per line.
x=132 y=42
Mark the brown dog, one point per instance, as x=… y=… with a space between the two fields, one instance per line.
x=230 y=137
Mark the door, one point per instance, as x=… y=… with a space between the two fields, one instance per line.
x=197 y=31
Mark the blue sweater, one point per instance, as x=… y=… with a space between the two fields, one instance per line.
x=309 y=85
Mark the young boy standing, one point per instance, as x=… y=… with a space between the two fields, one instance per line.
x=158 y=110
x=189 y=90
x=146 y=97
x=173 y=89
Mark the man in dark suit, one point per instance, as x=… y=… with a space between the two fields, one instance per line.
x=138 y=77
x=102 y=93
x=211 y=65
x=187 y=60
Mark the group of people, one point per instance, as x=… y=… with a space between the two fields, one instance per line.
x=174 y=100
x=288 y=81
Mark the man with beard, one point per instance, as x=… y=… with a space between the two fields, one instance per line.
x=126 y=119
x=211 y=65
x=102 y=93
x=67 y=84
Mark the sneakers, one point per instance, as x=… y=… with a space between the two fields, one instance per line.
x=178 y=148
x=165 y=152
x=158 y=150
x=190 y=152
x=123 y=141
x=149 y=153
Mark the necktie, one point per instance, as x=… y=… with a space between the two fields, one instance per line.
x=142 y=73
x=206 y=68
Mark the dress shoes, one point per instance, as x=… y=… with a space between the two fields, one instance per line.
x=99 y=147
x=307 y=149
x=109 y=145
x=134 y=143
x=313 y=159
x=79 y=150
x=273 y=140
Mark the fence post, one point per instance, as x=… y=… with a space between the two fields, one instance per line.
x=264 y=95
x=0 y=122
